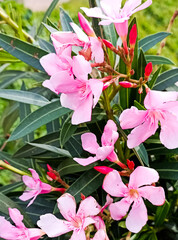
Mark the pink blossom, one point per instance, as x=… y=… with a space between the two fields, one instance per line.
x=19 y=231
x=108 y=139
x=101 y=229
x=36 y=185
x=76 y=222
x=161 y=107
x=111 y=12
x=139 y=187
x=78 y=94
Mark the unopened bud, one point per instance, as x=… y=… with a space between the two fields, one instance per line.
x=133 y=36
x=147 y=89
x=126 y=84
x=86 y=25
x=52 y=175
x=49 y=167
x=130 y=164
x=148 y=69
x=140 y=90
x=108 y=44
x=132 y=72
x=103 y=169
x=82 y=196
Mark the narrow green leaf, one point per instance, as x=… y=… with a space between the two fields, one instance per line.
x=24 y=97
x=157 y=60
x=6 y=203
x=49 y=28
x=166 y=79
x=50 y=23
x=47 y=46
x=161 y=214
x=151 y=40
x=152 y=82
x=167 y=170
x=138 y=105
x=24 y=51
x=142 y=64
x=47 y=14
x=53 y=149
x=11 y=187
x=39 y=118
x=159 y=149
x=65 y=21
x=141 y=153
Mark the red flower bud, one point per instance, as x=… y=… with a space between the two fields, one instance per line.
x=148 y=69
x=126 y=84
x=82 y=196
x=52 y=175
x=108 y=44
x=133 y=36
x=103 y=169
x=130 y=164
x=49 y=167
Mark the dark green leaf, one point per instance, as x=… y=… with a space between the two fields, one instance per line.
x=151 y=40
x=39 y=118
x=161 y=214
x=159 y=149
x=49 y=28
x=11 y=187
x=166 y=79
x=138 y=105
x=167 y=170
x=50 y=23
x=156 y=60
x=152 y=82
x=47 y=46
x=24 y=51
x=142 y=64
x=65 y=21
x=141 y=153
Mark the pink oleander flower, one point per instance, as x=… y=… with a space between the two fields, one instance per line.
x=92 y=46
x=108 y=139
x=139 y=187
x=101 y=229
x=161 y=107
x=36 y=185
x=19 y=231
x=111 y=12
x=78 y=94
x=76 y=222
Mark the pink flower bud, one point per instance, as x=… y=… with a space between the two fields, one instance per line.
x=103 y=169
x=86 y=26
x=52 y=175
x=148 y=69
x=108 y=43
x=140 y=90
x=133 y=36
x=126 y=84
x=130 y=164
x=49 y=167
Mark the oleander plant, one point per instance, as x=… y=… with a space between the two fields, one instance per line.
x=94 y=138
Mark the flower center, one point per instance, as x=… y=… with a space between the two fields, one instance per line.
x=77 y=222
x=133 y=193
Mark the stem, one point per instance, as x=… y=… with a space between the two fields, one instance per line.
x=13 y=169
x=11 y=23
x=128 y=236
x=108 y=109
x=62 y=182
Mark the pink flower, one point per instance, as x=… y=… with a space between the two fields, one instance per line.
x=108 y=139
x=101 y=229
x=112 y=12
x=36 y=185
x=18 y=232
x=139 y=187
x=76 y=222
x=78 y=94
x=161 y=106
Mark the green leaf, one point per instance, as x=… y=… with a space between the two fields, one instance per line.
x=47 y=46
x=49 y=28
x=65 y=21
x=5 y=57
x=39 y=118
x=152 y=82
x=166 y=79
x=47 y=14
x=141 y=153
x=6 y=203
x=156 y=60
x=159 y=149
x=141 y=63
x=24 y=97
x=53 y=149
x=161 y=214
x=151 y=40
x=9 y=188
x=167 y=170
x=50 y=23
x=67 y=130
x=138 y=105
x=69 y=166
x=24 y=51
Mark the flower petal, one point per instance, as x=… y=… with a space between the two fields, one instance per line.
x=88 y=221
x=103 y=152
x=7 y=230
x=143 y=176
x=119 y=209
x=86 y=161
x=132 y=117
x=81 y=67
x=34 y=174
x=95 y=12
x=53 y=226
x=110 y=134
x=35 y=233
x=100 y=235
x=89 y=142
x=96 y=88
x=48 y=84
x=155 y=195
x=78 y=235
x=143 y=6
x=70 y=100
x=88 y=207
x=80 y=34
x=97 y=50
x=45 y=188
x=113 y=184
x=16 y=217
x=111 y=8
x=29 y=181
x=67 y=206
x=137 y=217
x=51 y=63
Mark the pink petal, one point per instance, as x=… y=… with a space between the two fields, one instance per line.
x=99 y=223
x=138 y=135
x=88 y=207
x=111 y=8
x=67 y=206
x=169 y=131
x=16 y=217
x=78 y=235
x=110 y=134
x=119 y=209
x=28 y=195
x=155 y=195
x=83 y=113
x=70 y=100
x=143 y=176
x=89 y=142
x=86 y=161
x=35 y=233
x=34 y=174
x=80 y=34
x=109 y=200
x=48 y=84
x=88 y=221
x=130 y=5
x=106 y=22
x=137 y=217
x=101 y=235
x=155 y=99
x=96 y=88
x=53 y=226
x=97 y=50
x=112 y=157
x=51 y=63
x=113 y=184
x=45 y=188
x=122 y=29
x=103 y=152
x=95 y=12
x=7 y=230
x=81 y=67
x=171 y=107
x=29 y=181
x=143 y=6
x=132 y=117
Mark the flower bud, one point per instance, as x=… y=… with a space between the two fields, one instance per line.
x=130 y=164
x=148 y=69
x=52 y=175
x=133 y=36
x=126 y=84
x=103 y=169
x=108 y=44
x=86 y=25
x=140 y=90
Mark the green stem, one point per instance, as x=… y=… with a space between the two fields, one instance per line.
x=11 y=23
x=13 y=169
